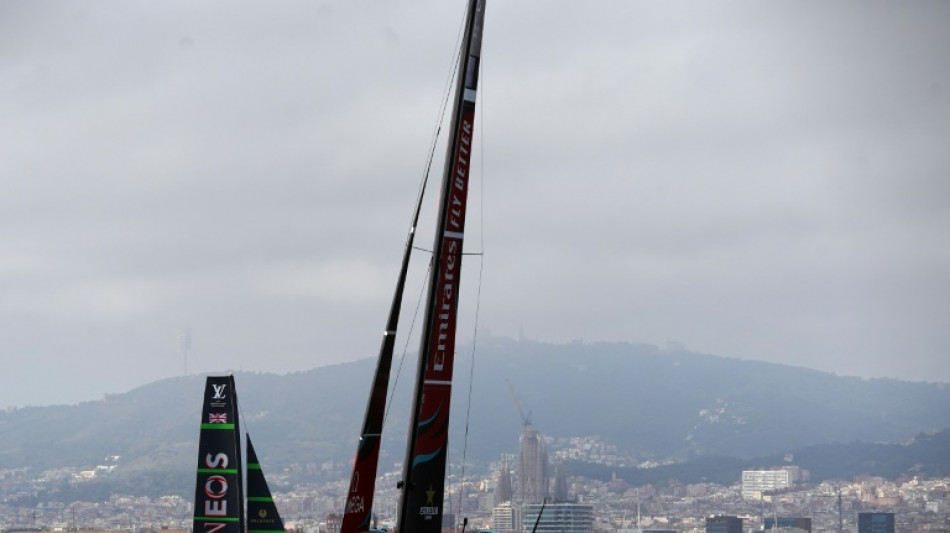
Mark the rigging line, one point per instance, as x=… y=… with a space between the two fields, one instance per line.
x=478 y=290
x=471 y=381
x=440 y=120
x=428 y=251
x=240 y=413
x=538 y=521
x=405 y=348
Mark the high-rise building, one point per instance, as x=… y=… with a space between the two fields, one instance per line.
x=533 y=467
x=558 y=518
x=723 y=524
x=503 y=492
x=875 y=522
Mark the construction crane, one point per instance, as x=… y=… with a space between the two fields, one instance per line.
x=525 y=418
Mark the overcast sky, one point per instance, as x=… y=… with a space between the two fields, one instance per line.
x=762 y=180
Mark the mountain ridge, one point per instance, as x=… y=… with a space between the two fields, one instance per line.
x=652 y=404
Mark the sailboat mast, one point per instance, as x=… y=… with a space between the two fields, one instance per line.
x=423 y=485
x=357 y=513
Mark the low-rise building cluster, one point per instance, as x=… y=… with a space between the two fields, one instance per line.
x=917 y=504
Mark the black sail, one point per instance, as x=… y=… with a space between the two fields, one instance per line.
x=262 y=515
x=219 y=500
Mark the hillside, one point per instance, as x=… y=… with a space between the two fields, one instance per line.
x=925 y=455
x=684 y=404
x=650 y=403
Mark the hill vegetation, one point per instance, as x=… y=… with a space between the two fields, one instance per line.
x=926 y=455
x=651 y=404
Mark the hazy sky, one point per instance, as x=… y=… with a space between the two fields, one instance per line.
x=763 y=180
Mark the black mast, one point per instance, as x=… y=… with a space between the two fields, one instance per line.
x=357 y=513
x=423 y=486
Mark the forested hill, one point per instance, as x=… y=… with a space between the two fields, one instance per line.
x=650 y=403
x=925 y=455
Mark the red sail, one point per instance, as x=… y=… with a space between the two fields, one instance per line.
x=421 y=502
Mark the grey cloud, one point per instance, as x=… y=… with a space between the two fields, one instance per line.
x=756 y=180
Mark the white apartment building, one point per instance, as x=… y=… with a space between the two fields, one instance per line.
x=506 y=518
x=755 y=482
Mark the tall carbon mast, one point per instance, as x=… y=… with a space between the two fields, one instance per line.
x=423 y=481
x=358 y=511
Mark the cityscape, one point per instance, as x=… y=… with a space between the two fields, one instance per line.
x=511 y=498
x=758 y=180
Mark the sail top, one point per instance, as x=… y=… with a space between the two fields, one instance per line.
x=219 y=501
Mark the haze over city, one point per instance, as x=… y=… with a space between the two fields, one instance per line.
x=765 y=181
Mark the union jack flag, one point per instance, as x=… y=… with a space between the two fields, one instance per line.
x=217 y=418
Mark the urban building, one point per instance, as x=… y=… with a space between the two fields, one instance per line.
x=334 y=522
x=723 y=524
x=558 y=518
x=506 y=518
x=533 y=478
x=560 y=484
x=875 y=522
x=757 y=482
x=450 y=523
x=503 y=492
x=796 y=474
x=787 y=524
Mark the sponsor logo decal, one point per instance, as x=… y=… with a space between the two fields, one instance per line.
x=216 y=491
x=429 y=510
x=355 y=504
x=219 y=391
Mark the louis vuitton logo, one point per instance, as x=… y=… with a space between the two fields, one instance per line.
x=219 y=391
